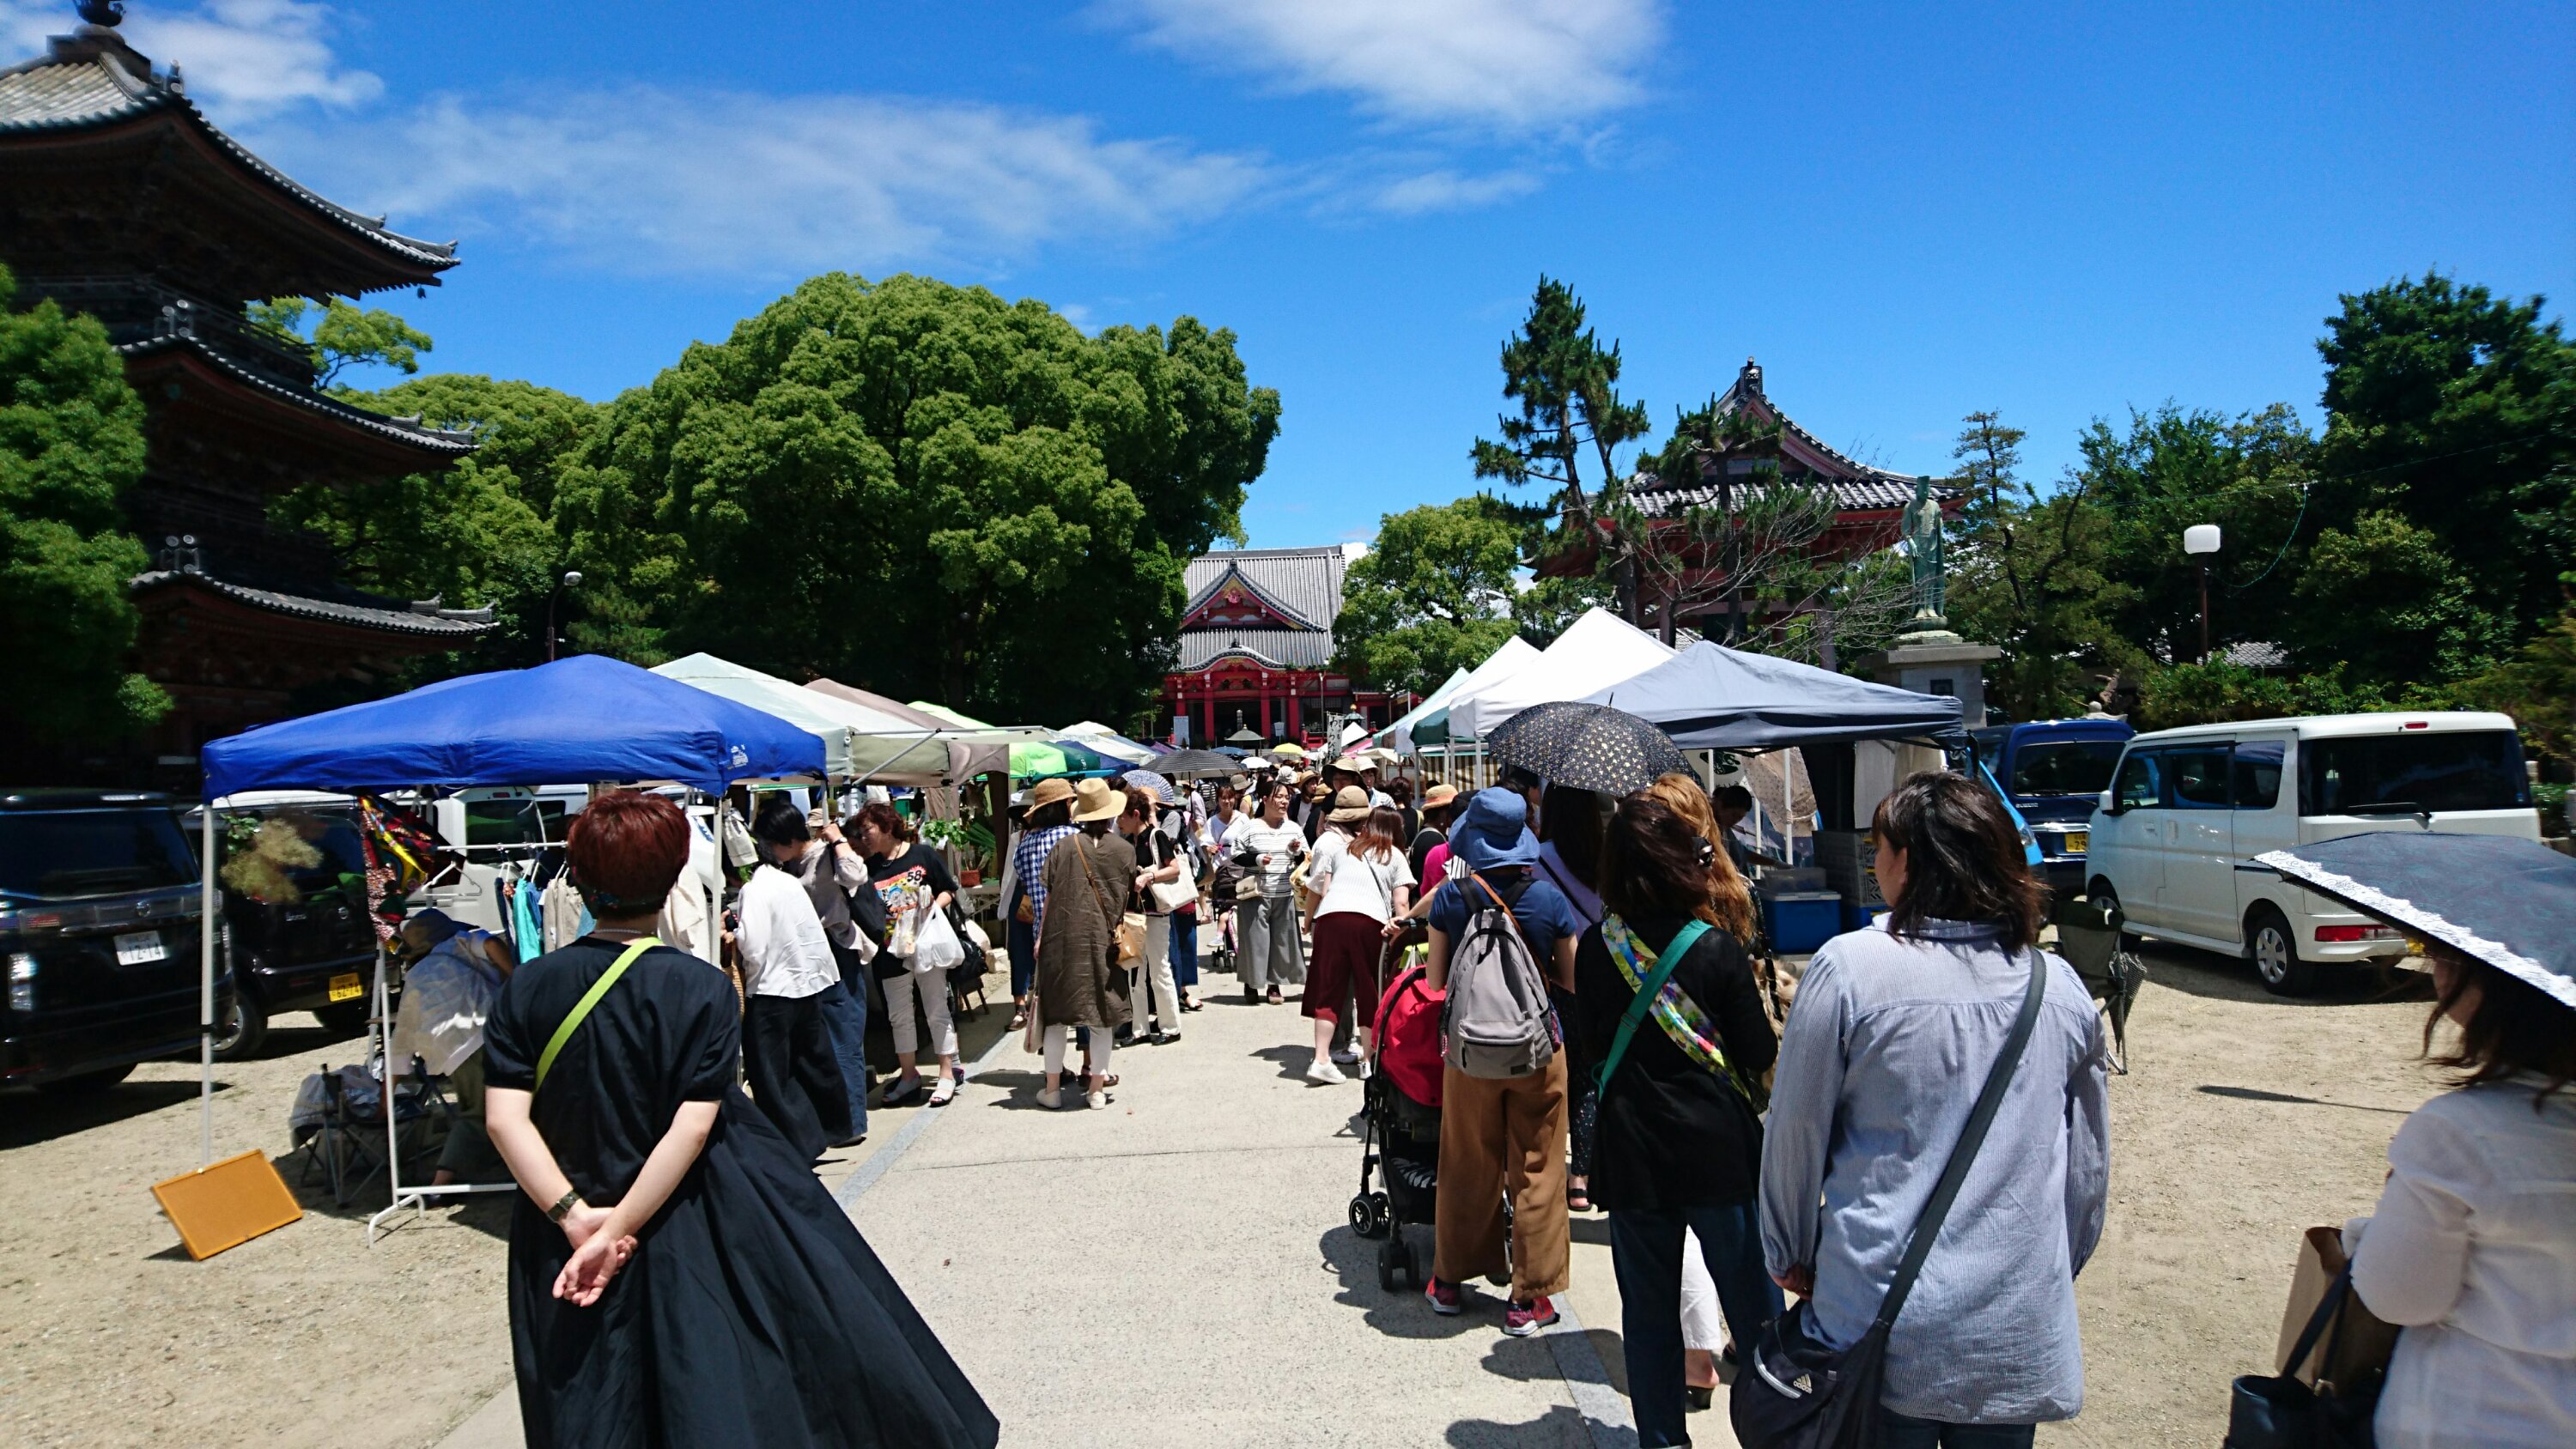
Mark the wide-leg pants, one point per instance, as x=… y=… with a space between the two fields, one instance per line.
x=1502 y=1139
x=787 y=1055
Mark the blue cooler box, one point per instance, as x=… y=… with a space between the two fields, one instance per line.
x=1800 y=921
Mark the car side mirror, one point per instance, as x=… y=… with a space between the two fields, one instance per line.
x=2107 y=803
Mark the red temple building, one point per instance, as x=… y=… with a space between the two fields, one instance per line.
x=119 y=198
x=1256 y=649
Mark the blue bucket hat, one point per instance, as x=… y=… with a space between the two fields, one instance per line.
x=1493 y=832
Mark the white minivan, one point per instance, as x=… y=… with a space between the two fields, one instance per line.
x=2174 y=838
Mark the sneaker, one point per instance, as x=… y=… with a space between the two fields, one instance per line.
x=1324 y=1073
x=1096 y=1100
x=1523 y=1319
x=1346 y=1057
x=1445 y=1298
x=1051 y=1098
x=1368 y=1068
x=1166 y=1038
x=941 y=1095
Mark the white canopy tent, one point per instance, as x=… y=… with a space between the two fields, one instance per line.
x=1102 y=740
x=1398 y=736
x=1599 y=650
x=1429 y=721
x=859 y=743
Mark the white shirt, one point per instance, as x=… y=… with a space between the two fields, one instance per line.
x=1356 y=885
x=2473 y=1251
x=1279 y=846
x=784 y=952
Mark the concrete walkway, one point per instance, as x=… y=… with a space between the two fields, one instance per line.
x=1178 y=1269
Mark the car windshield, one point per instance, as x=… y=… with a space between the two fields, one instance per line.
x=2064 y=767
x=2463 y=770
x=55 y=854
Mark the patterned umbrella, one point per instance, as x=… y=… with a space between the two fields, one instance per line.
x=1587 y=746
x=1148 y=780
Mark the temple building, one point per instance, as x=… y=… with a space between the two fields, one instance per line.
x=119 y=198
x=1256 y=650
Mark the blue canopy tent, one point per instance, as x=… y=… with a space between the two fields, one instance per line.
x=589 y=718
x=1709 y=697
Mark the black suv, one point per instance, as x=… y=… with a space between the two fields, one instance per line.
x=99 y=905
x=315 y=953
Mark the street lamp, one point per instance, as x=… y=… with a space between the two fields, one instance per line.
x=571 y=580
x=2200 y=541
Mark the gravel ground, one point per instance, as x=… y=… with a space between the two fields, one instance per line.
x=2247 y=1118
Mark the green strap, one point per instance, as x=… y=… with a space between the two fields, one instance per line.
x=1644 y=1001
x=589 y=999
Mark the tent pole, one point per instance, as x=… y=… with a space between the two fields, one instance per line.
x=207 y=924
x=384 y=1025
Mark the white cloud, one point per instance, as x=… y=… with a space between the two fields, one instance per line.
x=1504 y=64
x=1447 y=190
x=243 y=58
x=658 y=180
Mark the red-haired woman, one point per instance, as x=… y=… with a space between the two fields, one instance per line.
x=750 y=1310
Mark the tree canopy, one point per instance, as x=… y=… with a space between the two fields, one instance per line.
x=71 y=443
x=1433 y=595
x=921 y=489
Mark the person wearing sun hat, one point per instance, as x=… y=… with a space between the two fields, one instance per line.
x=1024 y=896
x=1081 y=982
x=2471 y=1250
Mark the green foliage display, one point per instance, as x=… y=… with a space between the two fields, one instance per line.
x=2189 y=694
x=922 y=489
x=1433 y=595
x=71 y=442
x=343 y=336
x=2029 y=574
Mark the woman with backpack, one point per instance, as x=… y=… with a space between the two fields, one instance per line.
x=1678 y=1146
x=1499 y=939
x=1895 y=1032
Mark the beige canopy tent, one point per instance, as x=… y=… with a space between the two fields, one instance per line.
x=859 y=742
x=971 y=750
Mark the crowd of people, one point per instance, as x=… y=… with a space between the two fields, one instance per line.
x=1607 y=1045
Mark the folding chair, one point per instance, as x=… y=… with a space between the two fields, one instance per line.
x=2091 y=938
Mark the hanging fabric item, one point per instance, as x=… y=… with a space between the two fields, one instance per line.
x=565 y=918
x=739 y=852
x=526 y=934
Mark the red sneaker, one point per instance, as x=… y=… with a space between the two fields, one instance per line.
x=1445 y=1298
x=1523 y=1319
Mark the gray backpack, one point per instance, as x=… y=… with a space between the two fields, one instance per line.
x=1496 y=1022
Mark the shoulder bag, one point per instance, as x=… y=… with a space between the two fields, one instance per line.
x=1126 y=928
x=581 y=1008
x=2327 y=1393
x=1800 y=1394
x=1644 y=1001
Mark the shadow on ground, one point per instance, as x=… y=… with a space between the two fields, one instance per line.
x=1559 y=1428
x=30 y=1115
x=2222 y=978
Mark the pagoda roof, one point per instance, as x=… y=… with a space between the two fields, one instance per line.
x=1269 y=648
x=298 y=420
x=1302 y=585
x=94 y=117
x=1858 y=487
x=426 y=618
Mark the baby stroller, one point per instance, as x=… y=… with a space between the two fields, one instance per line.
x=1400 y=1131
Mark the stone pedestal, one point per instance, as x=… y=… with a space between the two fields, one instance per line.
x=1938 y=662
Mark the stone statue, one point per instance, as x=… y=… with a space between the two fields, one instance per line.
x=1922 y=531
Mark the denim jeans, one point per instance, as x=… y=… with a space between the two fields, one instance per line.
x=1185 y=948
x=845 y=1019
x=1024 y=958
x=1899 y=1431
x=1646 y=1252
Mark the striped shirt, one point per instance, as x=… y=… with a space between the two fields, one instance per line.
x=1029 y=862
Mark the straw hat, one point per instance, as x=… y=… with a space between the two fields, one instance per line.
x=1094 y=800
x=1048 y=792
x=1350 y=806
x=1439 y=795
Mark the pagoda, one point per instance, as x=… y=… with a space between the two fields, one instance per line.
x=118 y=198
x=1256 y=649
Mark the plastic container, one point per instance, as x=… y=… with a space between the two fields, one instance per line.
x=1801 y=921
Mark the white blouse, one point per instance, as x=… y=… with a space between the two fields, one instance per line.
x=2472 y=1250
x=784 y=952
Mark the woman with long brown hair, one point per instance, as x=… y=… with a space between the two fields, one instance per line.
x=1678 y=1145
x=1895 y=1030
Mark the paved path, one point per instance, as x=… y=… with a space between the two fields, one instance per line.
x=1176 y=1269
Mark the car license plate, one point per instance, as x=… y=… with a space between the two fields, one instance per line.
x=136 y=948
x=2076 y=840
x=347 y=987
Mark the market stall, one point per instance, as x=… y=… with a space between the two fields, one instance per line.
x=586 y=719
x=859 y=743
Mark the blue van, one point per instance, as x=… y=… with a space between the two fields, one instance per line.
x=2055 y=771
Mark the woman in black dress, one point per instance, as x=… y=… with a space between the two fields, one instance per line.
x=678 y=1276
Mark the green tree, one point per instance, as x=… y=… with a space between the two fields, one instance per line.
x=2027 y=574
x=2389 y=602
x=1434 y=594
x=71 y=443
x=343 y=336
x=923 y=489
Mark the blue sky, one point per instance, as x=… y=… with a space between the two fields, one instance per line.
x=1906 y=212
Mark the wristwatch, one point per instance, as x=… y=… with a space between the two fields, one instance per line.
x=564 y=1205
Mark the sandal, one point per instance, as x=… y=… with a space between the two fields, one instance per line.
x=1019 y=1019
x=1578 y=1200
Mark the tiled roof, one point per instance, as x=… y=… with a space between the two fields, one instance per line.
x=2255 y=654
x=446 y=442
x=93 y=79
x=1271 y=648
x=425 y=618
x=1303 y=583
x=1858 y=487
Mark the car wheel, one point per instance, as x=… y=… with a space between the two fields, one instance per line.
x=343 y=1018
x=2274 y=949
x=240 y=1027
x=86 y=1082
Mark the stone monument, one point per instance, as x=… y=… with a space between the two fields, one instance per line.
x=1928 y=658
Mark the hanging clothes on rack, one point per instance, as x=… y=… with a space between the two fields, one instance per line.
x=564 y=918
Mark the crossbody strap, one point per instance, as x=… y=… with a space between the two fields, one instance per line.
x=1644 y=1001
x=589 y=999
x=1928 y=1227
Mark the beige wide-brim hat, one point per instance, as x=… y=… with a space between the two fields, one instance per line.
x=1439 y=795
x=1350 y=806
x=1048 y=792
x=1094 y=800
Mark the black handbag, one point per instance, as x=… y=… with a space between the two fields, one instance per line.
x=1795 y=1392
x=2278 y=1411
x=968 y=974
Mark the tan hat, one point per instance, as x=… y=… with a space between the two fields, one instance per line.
x=1439 y=795
x=1094 y=800
x=1350 y=806
x=1048 y=792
